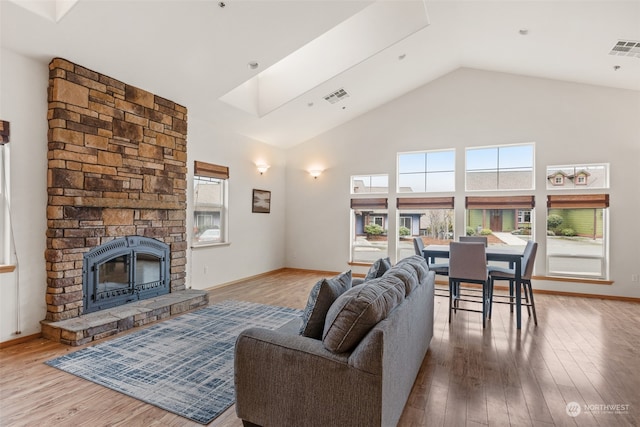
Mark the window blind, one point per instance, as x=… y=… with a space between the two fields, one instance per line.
x=500 y=202
x=210 y=170
x=424 y=202
x=370 y=203
x=578 y=201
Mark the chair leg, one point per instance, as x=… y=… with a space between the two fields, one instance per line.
x=512 y=297
x=526 y=298
x=490 y=297
x=485 y=300
x=450 y=298
x=533 y=304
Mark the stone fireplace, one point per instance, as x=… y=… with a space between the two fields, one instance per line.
x=116 y=168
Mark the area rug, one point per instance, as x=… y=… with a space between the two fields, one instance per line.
x=183 y=365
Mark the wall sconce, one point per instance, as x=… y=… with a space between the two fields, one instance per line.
x=262 y=168
x=315 y=173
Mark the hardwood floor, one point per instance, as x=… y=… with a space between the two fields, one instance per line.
x=583 y=350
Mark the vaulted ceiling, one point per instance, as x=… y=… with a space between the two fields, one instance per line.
x=198 y=52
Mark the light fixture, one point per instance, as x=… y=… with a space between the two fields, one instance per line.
x=315 y=173
x=262 y=168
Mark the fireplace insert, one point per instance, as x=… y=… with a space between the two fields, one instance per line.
x=124 y=270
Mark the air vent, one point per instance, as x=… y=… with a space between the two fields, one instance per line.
x=626 y=48
x=336 y=96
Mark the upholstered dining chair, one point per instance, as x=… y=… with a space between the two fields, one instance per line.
x=481 y=239
x=439 y=268
x=468 y=264
x=502 y=273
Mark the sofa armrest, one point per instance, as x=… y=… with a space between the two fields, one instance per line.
x=282 y=378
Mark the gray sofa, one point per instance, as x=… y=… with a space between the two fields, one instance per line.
x=360 y=373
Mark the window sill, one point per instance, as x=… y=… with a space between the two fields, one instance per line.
x=7 y=268
x=574 y=280
x=209 y=245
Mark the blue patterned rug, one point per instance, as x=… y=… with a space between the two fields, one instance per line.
x=183 y=365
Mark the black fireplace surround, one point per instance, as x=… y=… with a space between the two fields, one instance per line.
x=124 y=270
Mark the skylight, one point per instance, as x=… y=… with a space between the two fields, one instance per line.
x=351 y=42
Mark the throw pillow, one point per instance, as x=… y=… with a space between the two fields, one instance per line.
x=358 y=310
x=322 y=295
x=378 y=268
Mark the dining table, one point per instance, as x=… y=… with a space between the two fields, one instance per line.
x=510 y=254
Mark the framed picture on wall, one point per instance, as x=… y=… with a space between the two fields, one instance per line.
x=261 y=201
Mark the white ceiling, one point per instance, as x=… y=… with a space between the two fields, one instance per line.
x=194 y=52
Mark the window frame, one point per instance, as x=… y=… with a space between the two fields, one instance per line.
x=208 y=172
x=376 y=206
x=371 y=178
x=426 y=171
x=6 y=244
x=579 y=169
x=575 y=202
x=500 y=170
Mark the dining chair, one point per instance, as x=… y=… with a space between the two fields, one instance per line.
x=439 y=268
x=468 y=264
x=503 y=273
x=480 y=239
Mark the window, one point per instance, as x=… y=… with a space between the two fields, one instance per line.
x=505 y=167
x=210 y=188
x=369 y=184
x=5 y=225
x=577 y=227
x=506 y=221
x=430 y=218
x=369 y=229
x=426 y=171
x=578 y=176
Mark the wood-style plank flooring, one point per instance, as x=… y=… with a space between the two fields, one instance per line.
x=584 y=350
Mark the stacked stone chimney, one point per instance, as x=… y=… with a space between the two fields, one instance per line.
x=116 y=167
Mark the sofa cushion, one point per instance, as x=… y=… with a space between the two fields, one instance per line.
x=378 y=268
x=358 y=310
x=412 y=270
x=322 y=295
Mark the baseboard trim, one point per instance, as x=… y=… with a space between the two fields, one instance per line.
x=20 y=340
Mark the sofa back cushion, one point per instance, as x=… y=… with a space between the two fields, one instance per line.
x=378 y=268
x=321 y=297
x=358 y=310
x=412 y=271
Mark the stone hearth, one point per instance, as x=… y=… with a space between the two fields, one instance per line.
x=101 y=324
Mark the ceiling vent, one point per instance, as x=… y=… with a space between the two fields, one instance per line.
x=336 y=96
x=626 y=48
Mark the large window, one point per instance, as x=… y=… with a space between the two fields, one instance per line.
x=369 y=229
x=505 y=167
x=426 y=171
x=370 y=184
x=210 y=188
x=577 y=236
x=505 y=221
x=427 y=218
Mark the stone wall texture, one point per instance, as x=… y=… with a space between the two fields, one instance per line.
x=117 y=166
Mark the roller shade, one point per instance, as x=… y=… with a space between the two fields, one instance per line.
x=4 y=132
x=578 y=201
x=500 y=202
x=370 y=203
x=210 y=170
x=424 y=202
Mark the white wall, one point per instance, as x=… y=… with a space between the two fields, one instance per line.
x=23 y=103
x=570 y=123
x=257 y=243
